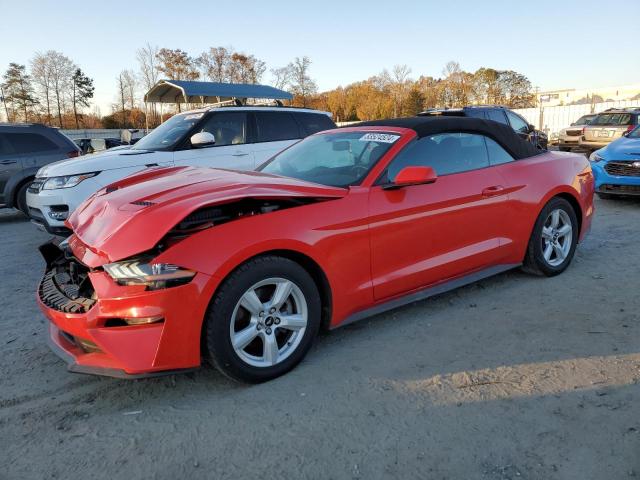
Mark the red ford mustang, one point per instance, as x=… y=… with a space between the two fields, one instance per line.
x=243 y=268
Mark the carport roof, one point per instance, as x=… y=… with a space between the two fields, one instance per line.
x=188 y=91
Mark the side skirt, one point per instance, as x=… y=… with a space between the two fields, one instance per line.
x=427 y=292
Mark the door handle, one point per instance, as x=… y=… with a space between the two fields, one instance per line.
x=8 y=162
x=239 y=154
x=493 y=191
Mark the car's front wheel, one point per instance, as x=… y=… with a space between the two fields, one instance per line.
x=263 y=319
x=553 y=240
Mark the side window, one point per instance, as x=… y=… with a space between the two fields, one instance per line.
x=276 y=126
x=497 y=116
x=446 y=153
x=314 y=122
x=475 y=113
x=517 y=123
x=497 y=154
x=5 y=146
x=30 y=143
x=228 y=128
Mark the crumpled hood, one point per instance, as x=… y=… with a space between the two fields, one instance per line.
x=96 y=162
x=132 y=216
x=622 y=149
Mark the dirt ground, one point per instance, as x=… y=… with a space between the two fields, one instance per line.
x=515 y=377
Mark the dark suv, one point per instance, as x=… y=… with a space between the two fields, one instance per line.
x=499 y=114
x=24 y=148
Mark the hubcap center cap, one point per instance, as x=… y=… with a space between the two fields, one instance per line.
x=269 y=321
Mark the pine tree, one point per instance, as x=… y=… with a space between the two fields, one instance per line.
x=82 y=92
x=18 y=91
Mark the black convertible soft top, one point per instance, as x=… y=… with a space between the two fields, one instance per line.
x=425 y=126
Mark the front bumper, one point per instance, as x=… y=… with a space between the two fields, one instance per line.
x=613 y=184
x=46 y=203
x=91 y=337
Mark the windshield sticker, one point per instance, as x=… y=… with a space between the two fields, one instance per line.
x=379 y=137
x=194 y=116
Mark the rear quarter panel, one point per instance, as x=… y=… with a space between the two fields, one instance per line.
x=532 y=182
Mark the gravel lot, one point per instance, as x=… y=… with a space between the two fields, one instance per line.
x=513 y=377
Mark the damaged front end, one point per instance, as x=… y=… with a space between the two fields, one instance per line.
x=65 y=286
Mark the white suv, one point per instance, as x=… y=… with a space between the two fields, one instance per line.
x=240 y=137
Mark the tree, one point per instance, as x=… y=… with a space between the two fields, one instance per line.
x=41 y=73
x=61 y=70
x=301 y=84
x=148 y=67
x=176 y=64
x=516 y=89
x=18 y=91
x=82 y=91
x=215 y=64
x=122 y=98
x=280 y=77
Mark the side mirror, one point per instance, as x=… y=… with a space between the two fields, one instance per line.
x=532 y=128
x=202 y=139
x=413 y=176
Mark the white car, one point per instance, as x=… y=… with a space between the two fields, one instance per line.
x=240 y=137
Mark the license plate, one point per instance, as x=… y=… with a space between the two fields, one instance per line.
x=603 y=134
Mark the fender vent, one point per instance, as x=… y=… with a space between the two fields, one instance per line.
x=143 y=203
x=111 y=189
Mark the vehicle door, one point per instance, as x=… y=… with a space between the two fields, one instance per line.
x=10 y=164
x=275 y=131
x=231 y=150
x=425 y=234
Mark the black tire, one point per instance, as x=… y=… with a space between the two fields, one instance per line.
x=21 y=198
x=219 y=350
x=564 y=149
x=534 y=261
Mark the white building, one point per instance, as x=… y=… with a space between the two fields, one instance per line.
x=572 y=96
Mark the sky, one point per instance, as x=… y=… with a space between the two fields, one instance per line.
x=556 y=44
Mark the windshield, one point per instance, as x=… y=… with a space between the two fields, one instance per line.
x=612 y=119
x=585 y=120
x=635 y=133
x=337 y=159
x=169 y=133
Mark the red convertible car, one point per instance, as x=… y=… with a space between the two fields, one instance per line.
x=175 y=265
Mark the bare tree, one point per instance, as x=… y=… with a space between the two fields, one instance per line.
x=62 y=69
x=121 y=84
x=215 y=63
x=280 y=77
x=41 y=73
x=148 y=65
x=176 y=64
x=300 y=83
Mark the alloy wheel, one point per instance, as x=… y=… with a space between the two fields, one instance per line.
x=268 y=322
x=557 y=237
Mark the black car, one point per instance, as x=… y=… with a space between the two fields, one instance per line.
x=499 y=114
x=24 y=148
x=92 y=145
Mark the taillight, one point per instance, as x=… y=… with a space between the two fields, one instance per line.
x=73 y=154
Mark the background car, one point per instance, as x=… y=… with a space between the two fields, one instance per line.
x=569 y=137
x=609 y=126
x=93 y=145
x=499 y=114
x=342 y=225
x=240 y=137
x=616 y=167
x=24 y=148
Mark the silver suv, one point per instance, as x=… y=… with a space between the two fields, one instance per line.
x=609 y=126
x=570 y=136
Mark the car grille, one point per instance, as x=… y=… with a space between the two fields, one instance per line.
x=66 y=286
x=623 y=169
x=621 y=189
x=573 y=133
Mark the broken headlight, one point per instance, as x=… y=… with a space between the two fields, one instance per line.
x=154 y=275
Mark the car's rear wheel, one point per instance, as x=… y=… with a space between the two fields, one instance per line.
x=263 y=319
x=553 y=240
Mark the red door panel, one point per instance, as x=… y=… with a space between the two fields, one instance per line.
x=424 y=234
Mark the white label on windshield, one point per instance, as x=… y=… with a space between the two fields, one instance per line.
x=379 y=137
x=194 y=116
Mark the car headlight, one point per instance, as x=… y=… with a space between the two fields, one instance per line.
x=66 y=181
x=153 y=275
x=595 y=157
